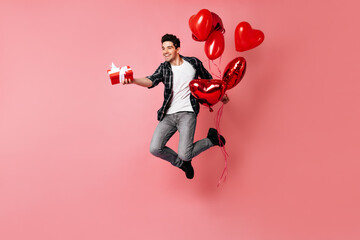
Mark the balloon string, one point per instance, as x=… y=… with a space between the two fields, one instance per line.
x=217 y=68
x=223 y=149
x=220 y=65
x=210 y=67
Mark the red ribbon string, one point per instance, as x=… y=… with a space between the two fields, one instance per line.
x=223 y=149
x=217 y=124
x=209 y=66
x=217 y=68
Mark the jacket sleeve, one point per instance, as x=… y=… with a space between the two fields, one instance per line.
x=157 y=76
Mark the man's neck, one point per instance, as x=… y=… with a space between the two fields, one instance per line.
x=177 y=61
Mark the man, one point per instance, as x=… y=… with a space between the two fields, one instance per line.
x=180 y=108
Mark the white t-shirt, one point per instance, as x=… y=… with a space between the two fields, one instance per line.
x=182 y=75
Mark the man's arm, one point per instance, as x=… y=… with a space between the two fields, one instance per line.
x=144 y=82
x=149 y=81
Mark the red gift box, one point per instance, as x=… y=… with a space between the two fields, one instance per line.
x=117 y=75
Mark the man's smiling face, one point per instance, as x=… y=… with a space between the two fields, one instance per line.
x=169 y=51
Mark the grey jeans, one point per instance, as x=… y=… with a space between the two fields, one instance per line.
x=185 y=123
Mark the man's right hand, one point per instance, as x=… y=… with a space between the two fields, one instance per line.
x=127 y=81
x=144 y=82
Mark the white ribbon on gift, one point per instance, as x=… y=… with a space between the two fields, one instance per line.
x=123 y=72
x=113 y=69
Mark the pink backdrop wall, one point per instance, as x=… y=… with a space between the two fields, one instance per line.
x=74 y=159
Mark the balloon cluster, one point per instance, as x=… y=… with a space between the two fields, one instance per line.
x=208 y=26
x=210 y=91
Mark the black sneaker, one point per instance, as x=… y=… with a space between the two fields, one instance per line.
x=188 y=169
x=213 y=136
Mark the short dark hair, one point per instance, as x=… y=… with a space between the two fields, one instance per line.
x=171 y=38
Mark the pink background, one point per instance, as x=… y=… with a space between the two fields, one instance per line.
x=74 y=159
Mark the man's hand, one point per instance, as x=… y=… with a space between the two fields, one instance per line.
x=144 y=82
x=127 y=81
x=225 y=99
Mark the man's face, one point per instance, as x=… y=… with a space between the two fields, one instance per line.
x=169 y=52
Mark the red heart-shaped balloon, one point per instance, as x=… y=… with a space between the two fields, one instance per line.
x=201 y=24
x=207 y=92
x=214 y=45
x=247 y=38
x=234 y=72
x=194 y=37
x=217 y=24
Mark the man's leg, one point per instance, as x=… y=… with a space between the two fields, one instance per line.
x=163 y=132
x=187 y=148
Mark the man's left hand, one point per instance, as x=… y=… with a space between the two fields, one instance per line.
x=225 y=99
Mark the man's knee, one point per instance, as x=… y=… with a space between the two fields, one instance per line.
x=154 y=150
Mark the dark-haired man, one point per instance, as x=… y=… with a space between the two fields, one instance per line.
x=180 y=108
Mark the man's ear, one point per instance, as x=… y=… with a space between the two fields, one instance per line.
x=178 y=49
